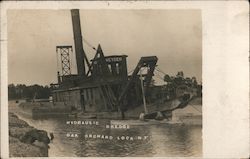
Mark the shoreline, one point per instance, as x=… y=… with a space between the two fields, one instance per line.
x=25 y=140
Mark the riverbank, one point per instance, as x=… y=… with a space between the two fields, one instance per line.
x=25 y=140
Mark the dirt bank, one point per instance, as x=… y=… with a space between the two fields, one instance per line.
x=26 y=141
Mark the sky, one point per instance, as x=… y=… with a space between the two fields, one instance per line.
x=174 y=36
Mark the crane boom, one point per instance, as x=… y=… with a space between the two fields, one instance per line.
x=149 y=62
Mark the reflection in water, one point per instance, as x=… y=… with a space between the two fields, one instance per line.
x=177 y=140
x=163 y=139
x=116 y=146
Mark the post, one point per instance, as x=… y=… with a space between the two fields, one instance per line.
x=143 y=94
x=58 y=78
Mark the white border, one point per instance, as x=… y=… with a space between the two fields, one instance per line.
x=225 y=68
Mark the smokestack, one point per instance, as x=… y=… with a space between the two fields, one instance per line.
x=78 y=42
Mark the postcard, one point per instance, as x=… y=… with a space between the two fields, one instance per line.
x=125 y=79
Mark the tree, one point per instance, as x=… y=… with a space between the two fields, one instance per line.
x=167 y=78
x=180 y=74
x=21 y=91
x=11 y=91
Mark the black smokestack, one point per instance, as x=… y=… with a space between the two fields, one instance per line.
x=78 y=42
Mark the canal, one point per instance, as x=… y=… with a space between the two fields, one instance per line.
x=94 y=138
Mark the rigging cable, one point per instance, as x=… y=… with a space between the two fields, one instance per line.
x=142 y=69
x=88 y=44
x=131 y=71
x=159 y=76
x=158 y=69
x=195 y=108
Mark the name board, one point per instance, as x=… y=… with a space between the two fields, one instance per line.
x=114 y=59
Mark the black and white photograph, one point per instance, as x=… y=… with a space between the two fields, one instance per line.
x=105 y=83
x=112 y=82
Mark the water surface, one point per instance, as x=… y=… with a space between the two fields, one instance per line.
x=162 y=140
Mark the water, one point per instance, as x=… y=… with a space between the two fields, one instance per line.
x=162 y=140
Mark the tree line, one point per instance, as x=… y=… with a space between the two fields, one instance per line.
x=179 y=80
x=21 y=91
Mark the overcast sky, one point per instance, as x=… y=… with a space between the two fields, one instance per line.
x=174 y=36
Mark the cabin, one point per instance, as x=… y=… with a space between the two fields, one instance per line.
x=99 y=91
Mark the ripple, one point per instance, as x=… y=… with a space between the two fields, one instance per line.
x=164 y=140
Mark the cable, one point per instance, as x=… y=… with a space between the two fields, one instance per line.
x=88 y=44
x=134 y=69
x=131 y=71
x=159 y=76
x=158 y=69
x=195 y=108
x=143 y=69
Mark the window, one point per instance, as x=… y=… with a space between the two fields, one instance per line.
x=117 y=68
x=109 y=67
